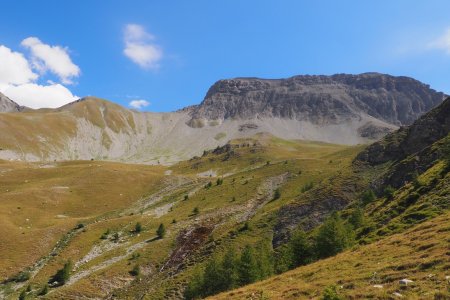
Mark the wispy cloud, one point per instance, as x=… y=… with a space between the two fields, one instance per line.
x=139 y=104
x=141 y=48
x=442 y=42
x=56 y=59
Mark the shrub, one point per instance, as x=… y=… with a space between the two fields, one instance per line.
x=21 y=277
x=186 y=197
x=307 y=187
x=219 y=181
x=161 y=231
x=330 y=293
x=79 y=226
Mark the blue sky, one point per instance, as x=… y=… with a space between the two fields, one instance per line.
x=168 y=53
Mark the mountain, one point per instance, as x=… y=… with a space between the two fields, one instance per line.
x=7 y=105
x=344 y=109
x=320 y=100
x=248 y=198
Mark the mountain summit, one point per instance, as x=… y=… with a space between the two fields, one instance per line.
x=343 y=109
x=320 y=99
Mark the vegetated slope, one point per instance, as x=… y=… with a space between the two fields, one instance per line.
x=344 y=109
x=107 y=248
x=413 y=186
x=40 y=203
x=373 y=271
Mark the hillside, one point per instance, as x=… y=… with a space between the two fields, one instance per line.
x=340 y=109
x=370 y=272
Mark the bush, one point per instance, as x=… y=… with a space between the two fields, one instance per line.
x=307 y=187
x=186 y=197
x=79 y=226
x=330 y=293
x=161 y=231
x=219 y=181
x=208 y=185
x=21 y=277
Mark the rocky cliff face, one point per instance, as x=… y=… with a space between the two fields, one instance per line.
x=7 y=105
x=320 y=99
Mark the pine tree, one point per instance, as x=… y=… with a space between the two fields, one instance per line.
x=23 y=295
x=357 y=218
x=300 y=249
x=229 y=266
x=333 y=237
x=161 y=231
x=368 y=196
x=195 y=286
x=276 y=194
x=213 y=278
x=248 y=266
x=265 y=261
x=138 y=227
x=63 y=275
x=44 y=290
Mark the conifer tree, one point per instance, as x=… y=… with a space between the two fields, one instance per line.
x=248 y=266
x=333 y=237
x=161 y=231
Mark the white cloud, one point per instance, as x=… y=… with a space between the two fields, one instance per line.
x=14 y=68
x=53 y=58
x=140 y=47
x=38 y=96
x=442 y=43
x=139 y=104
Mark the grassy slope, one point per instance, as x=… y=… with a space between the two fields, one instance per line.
x=40 y=203
x=247 y=178
x=420 y=254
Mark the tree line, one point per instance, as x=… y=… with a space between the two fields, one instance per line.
x=261 y=261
